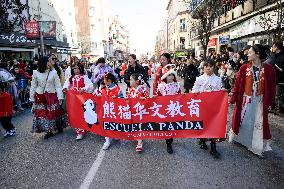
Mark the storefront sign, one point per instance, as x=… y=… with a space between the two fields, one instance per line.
x=180 y=54
x=212 y=42
x=48 y=30
x=223 y=40
x=32 y=30
x=16 y=39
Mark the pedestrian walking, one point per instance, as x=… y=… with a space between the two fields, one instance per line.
x=206 y=83
x=165 y=59
x=135 y=68
x=46 y=95
x=111 y=90
x=253 y=94
x=6 y=111
x=278 y=51
x=169 y=86
x=100 y=70
x=80 y=82
x=138 y=90
x=190 y=74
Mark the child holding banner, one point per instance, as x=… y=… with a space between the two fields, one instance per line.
x=78 y=81
x=169 y=86
x=138 y=90
x=206 y=83
x=111 y=89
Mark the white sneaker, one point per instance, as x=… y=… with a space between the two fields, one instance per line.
x=106 y=145
x=79 y=137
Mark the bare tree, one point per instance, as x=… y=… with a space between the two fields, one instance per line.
x=273 y=22
x=12 y=15
x=202 y=21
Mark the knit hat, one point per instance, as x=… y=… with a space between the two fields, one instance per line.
x=167 y=70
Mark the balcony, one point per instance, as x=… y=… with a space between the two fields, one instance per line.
x=194 y=5
x=181 y=47
x=182 y=30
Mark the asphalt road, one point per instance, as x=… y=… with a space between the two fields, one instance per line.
x=61 y=162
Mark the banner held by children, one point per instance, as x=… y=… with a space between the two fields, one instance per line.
x=202 y=115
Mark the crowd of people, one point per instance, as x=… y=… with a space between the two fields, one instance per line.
x=250 y=77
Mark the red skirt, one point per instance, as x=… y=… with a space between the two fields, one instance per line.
x=48 y=114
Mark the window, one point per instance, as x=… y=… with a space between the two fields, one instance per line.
x=182 y=42
x=182 y=25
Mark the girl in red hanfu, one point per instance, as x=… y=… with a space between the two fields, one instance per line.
x=138 y=90
x=169 y=86
x=165 y=59
x=254 y=94
x=111 y=89
x=78 y=81
x=6 y=111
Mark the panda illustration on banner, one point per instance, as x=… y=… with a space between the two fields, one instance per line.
x=90 y=113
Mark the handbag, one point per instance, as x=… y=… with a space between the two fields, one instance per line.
x=41 y=98
x=63 y=105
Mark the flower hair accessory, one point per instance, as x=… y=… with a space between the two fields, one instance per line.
x=140 y=78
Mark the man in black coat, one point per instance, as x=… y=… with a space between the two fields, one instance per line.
x=134 y=68
x=278 y=50
x=190 y=73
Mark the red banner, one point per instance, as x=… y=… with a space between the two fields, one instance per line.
x=32 y=30
x=202 y=115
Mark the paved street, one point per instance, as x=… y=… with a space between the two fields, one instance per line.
x=28 y=161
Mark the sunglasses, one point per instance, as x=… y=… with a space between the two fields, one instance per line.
x=54 y=58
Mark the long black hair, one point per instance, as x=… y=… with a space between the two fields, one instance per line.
x=260 y=50
x=81 y=68
x=58 y=70
x=42 y=64
x=168 y=57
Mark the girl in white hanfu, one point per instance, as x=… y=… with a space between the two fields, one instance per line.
x=169 y=86
x=206 y=83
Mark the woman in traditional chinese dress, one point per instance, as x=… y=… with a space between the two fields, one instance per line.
x=138 y=89
x=206 y=83
x=254 y=94
x=46 y=95
x=112 y=90
x=165 y=59
x=169 y=86
x=78 y=81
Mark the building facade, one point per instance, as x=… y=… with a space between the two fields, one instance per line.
x=55 y=13
x=240 y=23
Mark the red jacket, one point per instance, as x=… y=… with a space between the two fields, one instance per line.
x=268 y=97
x=6 y=105
x=157 y=79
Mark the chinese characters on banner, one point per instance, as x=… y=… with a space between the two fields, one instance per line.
x=201 y=115
x=32 y=30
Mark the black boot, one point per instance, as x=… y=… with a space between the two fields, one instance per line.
x=213 y=151
x=48 y=135
x=203 y=144
x=170 y=149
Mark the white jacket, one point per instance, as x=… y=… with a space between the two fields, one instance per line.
x=53 y=84
x=206 y=83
